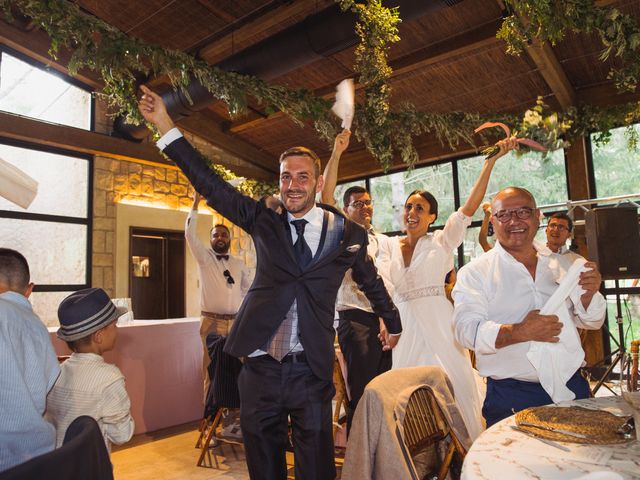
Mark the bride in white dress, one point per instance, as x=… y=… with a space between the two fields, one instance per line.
x=417 y=268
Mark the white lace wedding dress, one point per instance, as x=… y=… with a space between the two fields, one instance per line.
x=427 y=316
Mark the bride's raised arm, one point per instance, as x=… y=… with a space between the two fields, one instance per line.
x=480 y=187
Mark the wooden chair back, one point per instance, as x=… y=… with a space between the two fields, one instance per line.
x=424 y=425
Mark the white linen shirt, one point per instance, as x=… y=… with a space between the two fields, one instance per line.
x=89 y=386
x=494 y=290
x=28 y=370
x=216 y=294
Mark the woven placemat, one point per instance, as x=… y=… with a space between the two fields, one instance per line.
x=598 y=427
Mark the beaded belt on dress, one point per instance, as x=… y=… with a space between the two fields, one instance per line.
x=432 y=291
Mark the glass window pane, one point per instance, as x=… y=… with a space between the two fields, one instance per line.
x=45 y=305
x=615 y=167
x=56 y=252
x=340 y=189
x=62 y=181
x=390 y=192
x=472 y=248
x=33 y=92
x=545 y=179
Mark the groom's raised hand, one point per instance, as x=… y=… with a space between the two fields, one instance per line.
x=154 y=111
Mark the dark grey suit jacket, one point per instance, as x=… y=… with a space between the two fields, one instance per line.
x=279 y=279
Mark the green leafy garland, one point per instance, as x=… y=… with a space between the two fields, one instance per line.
x=549 y=20
x=385 y=132
x=123 y=61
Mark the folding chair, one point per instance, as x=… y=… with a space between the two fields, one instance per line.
x=425 y=425
x=223 y=394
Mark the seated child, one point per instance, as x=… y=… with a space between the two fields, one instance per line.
x=87 y=385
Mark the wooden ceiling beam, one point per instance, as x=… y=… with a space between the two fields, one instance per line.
x=222 y=48
x=47 y=134
x=35 y=43
x=203 y=126
x=17 y=127
x=217 y=11
x=605 y=94
x=359 y=163
x=549 y=67
x=469 y=40
x=552 y=72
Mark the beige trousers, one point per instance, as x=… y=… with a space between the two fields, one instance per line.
x=210 y=324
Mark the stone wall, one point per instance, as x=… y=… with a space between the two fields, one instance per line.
x=151 y=186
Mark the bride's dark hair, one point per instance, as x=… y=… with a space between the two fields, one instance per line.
x=431 y=200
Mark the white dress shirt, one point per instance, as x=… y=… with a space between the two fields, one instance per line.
x=566 y=256
x=350 y=296
x=171 y=136
x=495 y=289
x=217 y=295
x=312 y=234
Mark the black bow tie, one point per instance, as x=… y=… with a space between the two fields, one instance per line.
x=220 y=257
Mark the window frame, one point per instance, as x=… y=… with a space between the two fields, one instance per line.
x=63 y=76
x=87 y=221
x=456 y=189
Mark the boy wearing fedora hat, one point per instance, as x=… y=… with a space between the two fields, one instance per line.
x=87 y=384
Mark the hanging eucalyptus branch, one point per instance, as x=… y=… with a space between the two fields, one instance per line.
x=549 y=20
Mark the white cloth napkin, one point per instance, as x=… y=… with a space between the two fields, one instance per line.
x=16 y=186
x=344 y=106
x=557 y=362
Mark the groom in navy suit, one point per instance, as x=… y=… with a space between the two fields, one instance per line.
x=284 y=328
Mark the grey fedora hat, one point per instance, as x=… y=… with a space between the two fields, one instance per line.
x=84 y=312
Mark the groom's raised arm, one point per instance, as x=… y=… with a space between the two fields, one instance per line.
x=221 y=196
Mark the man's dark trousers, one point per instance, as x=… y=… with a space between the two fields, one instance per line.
x=506 y=396
x=271 y=391
x=358 y=338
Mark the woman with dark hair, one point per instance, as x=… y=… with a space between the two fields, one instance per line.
x=417 y=269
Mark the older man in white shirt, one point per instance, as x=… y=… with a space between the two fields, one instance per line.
x=497 y=308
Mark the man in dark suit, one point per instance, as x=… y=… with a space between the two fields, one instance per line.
x=284 y=328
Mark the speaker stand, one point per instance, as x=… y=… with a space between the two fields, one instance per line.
x=617 y=355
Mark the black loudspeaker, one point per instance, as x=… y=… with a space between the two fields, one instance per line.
x=613 y=240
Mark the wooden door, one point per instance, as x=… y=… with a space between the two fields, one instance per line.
x=156 y=274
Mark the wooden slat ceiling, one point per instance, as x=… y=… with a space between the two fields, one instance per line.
x=448 y=60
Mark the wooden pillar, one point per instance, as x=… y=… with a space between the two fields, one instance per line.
x=579 y=189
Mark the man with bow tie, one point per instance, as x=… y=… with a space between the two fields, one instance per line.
x=284 y=328
x=224 y=280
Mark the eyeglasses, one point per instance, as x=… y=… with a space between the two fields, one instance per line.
x=227 y=275
x=557 y=226
x=522 y=213
x=359 y=204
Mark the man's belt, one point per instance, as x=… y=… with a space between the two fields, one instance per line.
x=218 y=316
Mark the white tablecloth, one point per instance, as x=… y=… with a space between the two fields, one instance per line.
x=501 y=452
x=162 y=364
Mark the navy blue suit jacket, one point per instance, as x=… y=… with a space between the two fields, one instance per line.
x=279 y=279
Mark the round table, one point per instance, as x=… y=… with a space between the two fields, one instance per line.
x=501 y=452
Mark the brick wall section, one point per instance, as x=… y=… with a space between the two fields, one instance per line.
x=117 y=180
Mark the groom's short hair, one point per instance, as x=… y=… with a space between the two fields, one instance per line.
x=304 y=152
